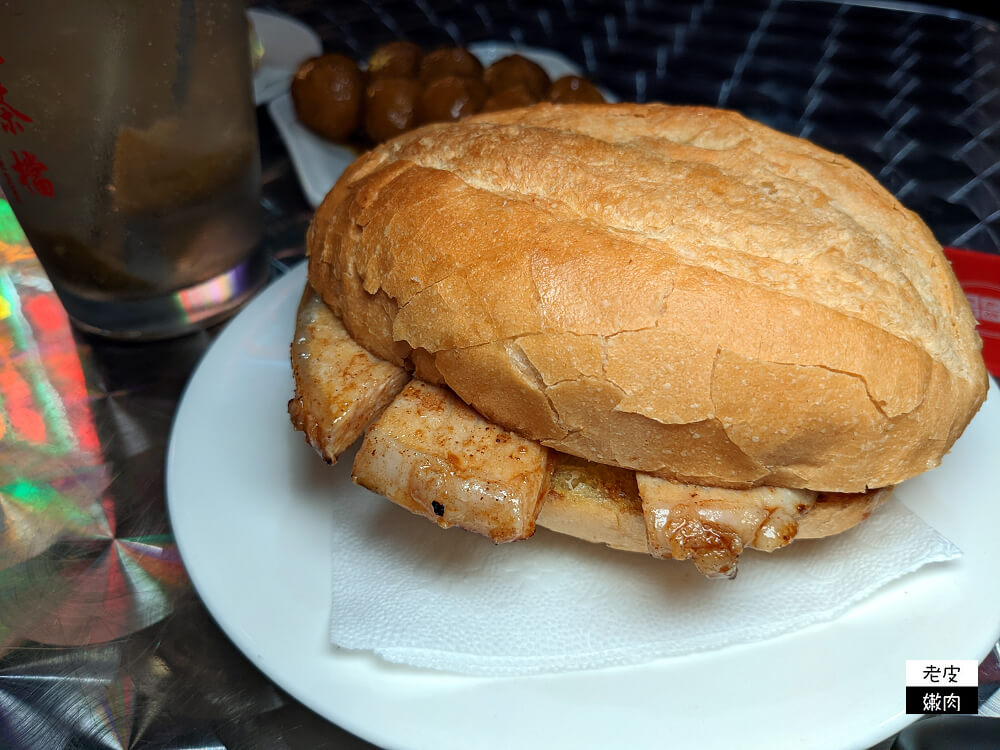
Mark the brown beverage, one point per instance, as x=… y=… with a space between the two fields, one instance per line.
x=128 y=151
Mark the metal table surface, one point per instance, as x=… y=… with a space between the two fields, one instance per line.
x=103 y=642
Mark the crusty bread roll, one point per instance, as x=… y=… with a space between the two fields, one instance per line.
x=341 y=388
x=675 y=290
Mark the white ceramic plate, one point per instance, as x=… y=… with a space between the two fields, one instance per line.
x=248 y=500
x=319 y=162
x=287 y=42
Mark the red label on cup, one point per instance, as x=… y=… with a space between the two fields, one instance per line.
x=979 y=275
x=29 y=170
x=11 y=120
x=31 y=173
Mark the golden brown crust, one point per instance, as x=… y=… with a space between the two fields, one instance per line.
x=676 y=290
x=837 y=512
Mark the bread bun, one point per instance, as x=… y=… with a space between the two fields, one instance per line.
x=675 y=290
x=340 y=388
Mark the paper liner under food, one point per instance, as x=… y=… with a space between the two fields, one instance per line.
x=449 y=600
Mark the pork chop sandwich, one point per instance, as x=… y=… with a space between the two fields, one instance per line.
x=667 y=329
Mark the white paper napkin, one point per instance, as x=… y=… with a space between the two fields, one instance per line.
x=451 y=600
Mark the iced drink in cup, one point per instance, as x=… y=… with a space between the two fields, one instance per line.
x=128 y=151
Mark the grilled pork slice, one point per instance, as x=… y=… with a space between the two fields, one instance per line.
x=339 y=387
x=712 y=525
x=602 y=504
x=437 y=457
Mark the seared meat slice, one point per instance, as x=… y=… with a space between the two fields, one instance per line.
x=437 y=457
x=712 y=525
x=339 y=387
